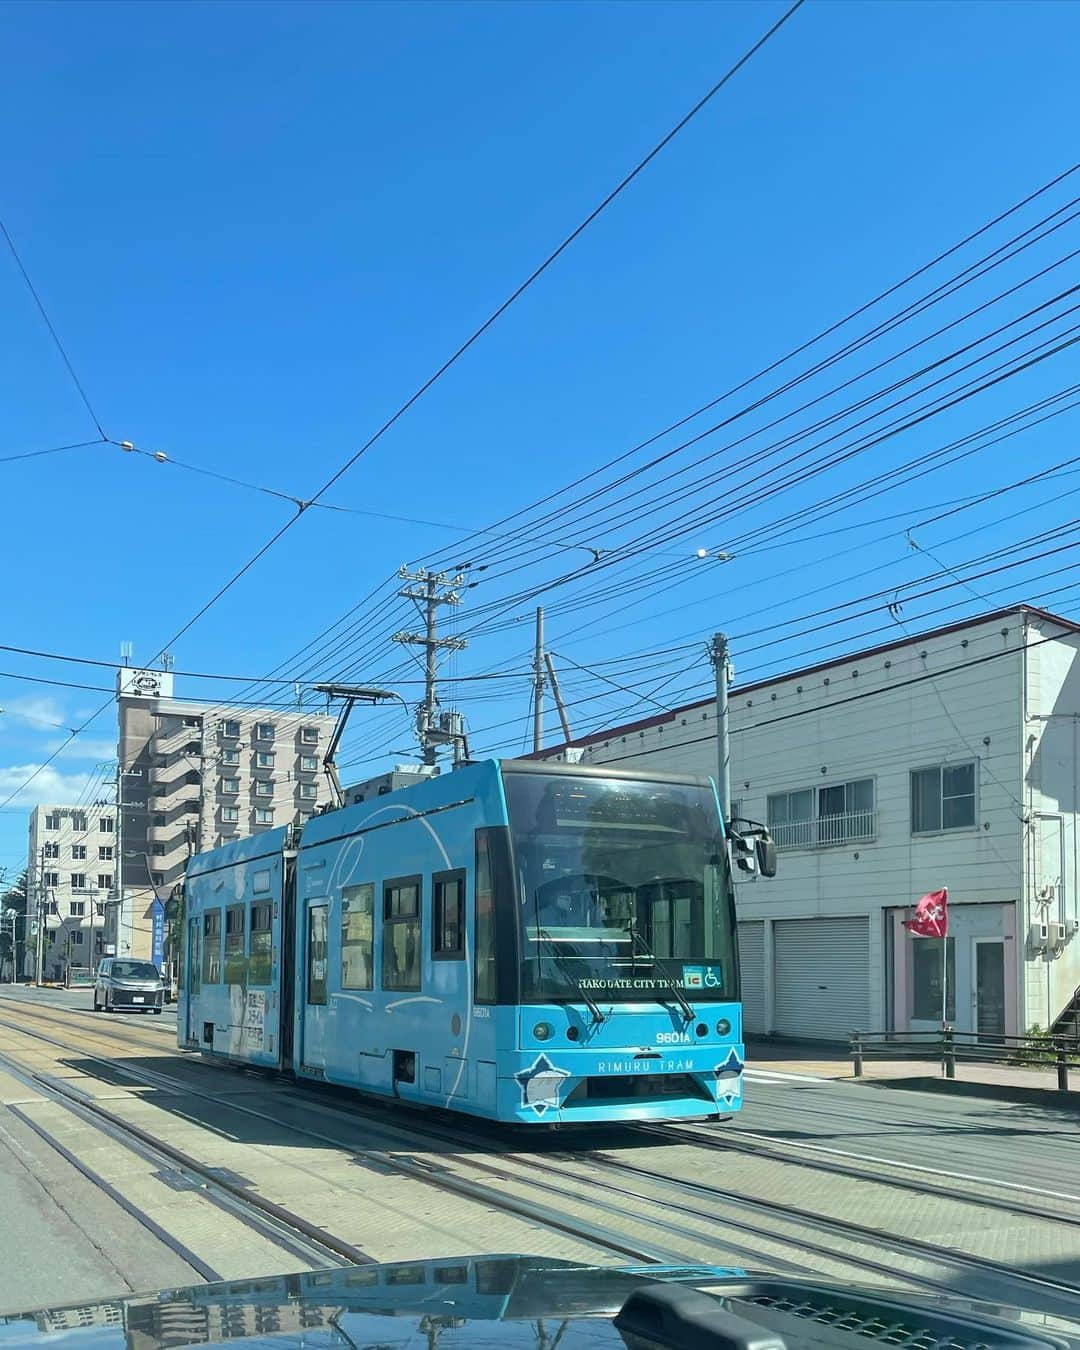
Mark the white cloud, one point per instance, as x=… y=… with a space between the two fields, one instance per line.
x=36 y=710
x=50 y=785
x=87 y=748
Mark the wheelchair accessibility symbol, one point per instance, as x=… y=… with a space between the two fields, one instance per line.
x=702 y=977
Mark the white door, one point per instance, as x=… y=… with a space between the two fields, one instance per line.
x=822 y=977
x=752 y=972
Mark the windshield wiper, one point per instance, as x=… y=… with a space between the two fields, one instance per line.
x=564 y=969
x=636 y=936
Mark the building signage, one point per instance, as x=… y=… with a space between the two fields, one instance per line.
x=144 y=683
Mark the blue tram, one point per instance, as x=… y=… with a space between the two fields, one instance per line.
x=531 y=942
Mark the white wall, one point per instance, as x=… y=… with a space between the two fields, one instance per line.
x=1051 y=744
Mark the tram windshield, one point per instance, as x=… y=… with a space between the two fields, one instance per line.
x=623 y=890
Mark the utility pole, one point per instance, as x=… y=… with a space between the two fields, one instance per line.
x=721 y=664
x=42 y=933
x=429 y=590
x=539 y=680
x=557 y=692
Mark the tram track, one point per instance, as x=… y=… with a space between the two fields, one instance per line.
x=557 y=1177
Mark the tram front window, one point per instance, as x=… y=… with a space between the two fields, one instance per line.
x=623 y=889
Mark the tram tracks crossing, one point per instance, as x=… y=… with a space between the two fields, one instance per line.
x=619 y=1190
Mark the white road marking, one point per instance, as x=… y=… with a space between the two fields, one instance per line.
x=771 y=1075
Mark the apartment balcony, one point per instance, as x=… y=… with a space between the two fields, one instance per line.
x=853 y=827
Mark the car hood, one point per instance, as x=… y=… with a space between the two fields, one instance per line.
x=508 y=1301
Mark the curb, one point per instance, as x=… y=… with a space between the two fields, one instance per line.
x=1002 y=1092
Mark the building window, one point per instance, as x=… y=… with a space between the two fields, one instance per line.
x=159 y=849
x=401 y=934
x=105 y=824
x=264 y=815
x=818 y=817
x=158 y=822
x=926 y=972
x=230 y=757
x=234 y=944
x=76 y=937
x=193 y=721
x=357 y=936
x=230 y=785
x=157 y=878
x=231 y=729
x=78 y=852
x=264 y=787
x=309 y=735
x=316 y=954
x=78 y=881
x=77 y=909
x=192 y=808
x=264 y=759
x=52 y=820
x=78 y=822
x=104 y=853
x=448 y=915
x=264 y=731
x=230 y=814
x=261 y=958
x=308 y=792
x=51 y=878
x=193 y=778
x=943 y=798
x=104 y=881
x=51 y=851
x=308 y=763
x=211 y=961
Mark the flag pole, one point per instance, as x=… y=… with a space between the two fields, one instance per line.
x=944 y=996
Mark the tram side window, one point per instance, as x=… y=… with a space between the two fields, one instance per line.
x=316 y=954
x=401 y=934
x=261 y=943
x=358 y=936
x=484 y=991
x=211 y=960
x=234 y=944
x=448 y=916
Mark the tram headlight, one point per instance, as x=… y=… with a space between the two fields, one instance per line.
x=543 y=1031
x=723 y=1027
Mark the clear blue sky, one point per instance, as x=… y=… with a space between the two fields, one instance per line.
x=258 y=227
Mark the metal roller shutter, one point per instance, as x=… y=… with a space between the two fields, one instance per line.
x=822 y=977
x=752 y=970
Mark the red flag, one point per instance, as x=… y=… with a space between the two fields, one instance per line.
x=931 y=915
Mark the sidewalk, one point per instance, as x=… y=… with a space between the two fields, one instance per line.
x=1000 y=1081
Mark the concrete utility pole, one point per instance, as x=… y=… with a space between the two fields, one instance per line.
x=721 y=664
x=557 y=692
x=42 y=933
x=428 y=590
x=539 y=680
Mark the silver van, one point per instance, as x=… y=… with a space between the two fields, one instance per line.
x=124 y=983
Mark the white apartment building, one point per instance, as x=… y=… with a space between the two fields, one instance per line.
x=193 y=776
x=947 y=758
x=72 y=869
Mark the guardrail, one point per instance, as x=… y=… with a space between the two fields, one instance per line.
x=949 y=1045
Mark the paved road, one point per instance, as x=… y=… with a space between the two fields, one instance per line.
x=1027 y=1144
x=83 y=999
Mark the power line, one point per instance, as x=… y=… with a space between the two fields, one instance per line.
x=52 y=331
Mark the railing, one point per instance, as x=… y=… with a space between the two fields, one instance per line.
x=825 y=831
x=78 y=977
x=949 y=1046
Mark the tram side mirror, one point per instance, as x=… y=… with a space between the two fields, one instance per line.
x=765 y=850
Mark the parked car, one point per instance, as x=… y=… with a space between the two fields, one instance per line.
x=122 y=983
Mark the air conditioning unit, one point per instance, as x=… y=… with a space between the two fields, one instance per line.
x=1056 y=937
x=1038 y=937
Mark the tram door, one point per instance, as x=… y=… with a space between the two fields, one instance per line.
x=194 y=975
x=313 y=1009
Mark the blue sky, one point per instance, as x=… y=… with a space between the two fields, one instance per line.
x=258 y=227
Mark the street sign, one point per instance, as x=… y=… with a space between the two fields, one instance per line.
x=157 y=933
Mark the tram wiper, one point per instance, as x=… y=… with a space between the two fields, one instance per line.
x=563 y=968
x=638 y=938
